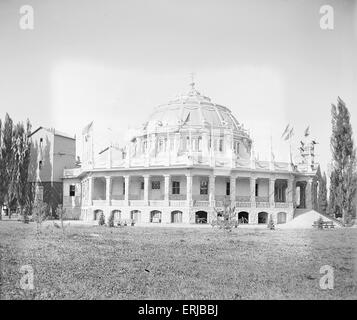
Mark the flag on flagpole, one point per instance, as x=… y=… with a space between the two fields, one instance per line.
x=289 y=134
x=272 y=155
x=307 y=131
x=285 y=131
x=87 y=129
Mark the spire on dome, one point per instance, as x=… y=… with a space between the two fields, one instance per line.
x=193 y=90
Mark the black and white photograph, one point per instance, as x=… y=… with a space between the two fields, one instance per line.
x=166 y=150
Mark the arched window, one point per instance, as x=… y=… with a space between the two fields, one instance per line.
x=199 y=144
x=161 y=145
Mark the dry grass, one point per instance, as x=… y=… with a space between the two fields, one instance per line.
x=93 y=262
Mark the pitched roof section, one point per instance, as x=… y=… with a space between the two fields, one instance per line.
x=54 y=132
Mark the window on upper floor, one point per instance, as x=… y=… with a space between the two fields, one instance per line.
x=40 y=165
x=175 y=187
x=256 y=189
x=142 y=185
x=204 y=187
x=72 y=190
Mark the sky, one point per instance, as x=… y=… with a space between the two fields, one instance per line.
x=114 y=61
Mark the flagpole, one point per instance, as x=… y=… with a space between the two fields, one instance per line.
x=291 y=160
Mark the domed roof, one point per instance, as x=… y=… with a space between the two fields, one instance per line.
x=193 y=109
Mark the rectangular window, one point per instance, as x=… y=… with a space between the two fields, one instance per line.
x=256 y=189
x=175 y=187
x=204 y=187
x=72 y=190
x=221 y=145
x=199 y=144
x=155 y=185
x=124 y=187
x=142 y=185
x=40 y=164
x=228 y=188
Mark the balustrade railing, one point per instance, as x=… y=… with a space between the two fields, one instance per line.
x=199 y=203
x=178 y=203
x=140 y=203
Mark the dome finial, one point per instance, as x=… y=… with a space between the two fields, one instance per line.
x=192 y=84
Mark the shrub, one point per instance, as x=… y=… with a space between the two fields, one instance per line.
x=320 y=223
x=40 y=213
x=271 y=225
x=225 y=218
x=111 y=220
x=101 y=220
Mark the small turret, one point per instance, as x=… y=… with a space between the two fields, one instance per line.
x=307 y=152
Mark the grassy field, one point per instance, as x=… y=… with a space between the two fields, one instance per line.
x=92 y=262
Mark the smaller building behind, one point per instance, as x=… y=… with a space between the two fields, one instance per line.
x=51 y=152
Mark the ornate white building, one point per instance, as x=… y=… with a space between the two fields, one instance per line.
x=190 y=157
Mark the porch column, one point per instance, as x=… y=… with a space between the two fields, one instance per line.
x=308 y=194
x=108 y=186
x=290 y=195
x=127 y=188
x=253 y=181
x=90 y=191
x=232 y=190
x=271 y=191
x=212 y=191
x=146 y=188
x=189 y=188
x=167 y=189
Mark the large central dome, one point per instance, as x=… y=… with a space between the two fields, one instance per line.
x=193 y=109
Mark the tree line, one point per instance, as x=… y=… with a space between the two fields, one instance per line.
x=15 y=152
x=341 y=201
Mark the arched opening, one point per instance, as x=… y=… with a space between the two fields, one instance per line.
x=116 y=215
x=281 y=217
x=97 y=214
x=176 y=217
x=262 y=217
x=243 y=217
x=155 y=216
x=201 y=217
x=135 y=215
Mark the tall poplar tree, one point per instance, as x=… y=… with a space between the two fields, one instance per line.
x=2 y=188
x=19 y=186
x=6 y=159
x=322 y=196
x=342 y=180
